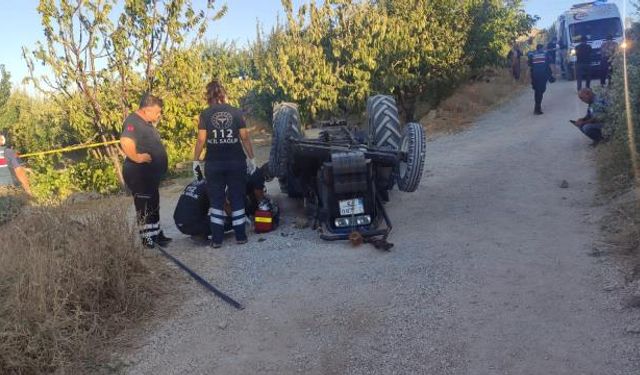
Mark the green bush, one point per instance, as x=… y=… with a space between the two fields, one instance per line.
x=327 y=56
x=623 y=128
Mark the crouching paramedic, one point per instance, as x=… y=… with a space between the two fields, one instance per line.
x=192 y=210
x=222 y=128
x=144 y=167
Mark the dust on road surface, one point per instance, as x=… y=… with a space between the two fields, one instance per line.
x=490 y=273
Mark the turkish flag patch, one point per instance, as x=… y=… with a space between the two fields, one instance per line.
x=130 y=128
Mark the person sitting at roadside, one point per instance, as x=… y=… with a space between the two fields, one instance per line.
x=591 y=125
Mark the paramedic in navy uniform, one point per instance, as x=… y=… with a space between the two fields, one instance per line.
x=144 y=167
x=222 y=128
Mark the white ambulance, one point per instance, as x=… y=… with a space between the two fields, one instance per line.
x=594 y=20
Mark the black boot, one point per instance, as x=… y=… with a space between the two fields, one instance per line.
x=148 y=243
x=163 y=240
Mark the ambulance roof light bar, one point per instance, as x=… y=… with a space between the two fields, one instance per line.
x=589 y=4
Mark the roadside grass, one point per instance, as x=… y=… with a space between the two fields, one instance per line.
x=71 y=279
x=621 y=224
x=12 y=201
x=472 y=99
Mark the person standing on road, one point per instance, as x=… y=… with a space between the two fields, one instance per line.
x=552 y=49
x=540 y=75
x=583 y=63
x=514 y=56
x=223 y=129
x=145 y=164
x=608 y=51
x=12 y=171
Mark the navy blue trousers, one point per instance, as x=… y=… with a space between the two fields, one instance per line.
x=226 y=179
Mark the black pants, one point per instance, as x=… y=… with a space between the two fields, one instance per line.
x=227 y=178
x=583 y=71
x=593 y=131
x=537 y=96
x=144 y=181
x=539 y=86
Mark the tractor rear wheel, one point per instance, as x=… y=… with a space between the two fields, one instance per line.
x=286 y=124
x=384 y=132
x=409 y=172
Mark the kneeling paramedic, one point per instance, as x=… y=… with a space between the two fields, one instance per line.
x=191 y=213
x=222 y=128
x=144 y=167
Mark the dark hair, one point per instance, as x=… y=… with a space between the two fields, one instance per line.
x=149 y=100
x=215 y=92
x=539 y=46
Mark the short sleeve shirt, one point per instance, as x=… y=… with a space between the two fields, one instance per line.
x=598 y=109
x=9 y=161
x=147 y=140
x=223 y=123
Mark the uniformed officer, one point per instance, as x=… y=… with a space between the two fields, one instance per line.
x=223 y=129
x=584 y=55
x=144 y=167
x=540 y=75
x=552 y=51
x=12 y=171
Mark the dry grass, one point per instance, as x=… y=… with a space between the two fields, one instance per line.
x=621 y=225
x=471 y=100
x=71 y=279
x=12 y=201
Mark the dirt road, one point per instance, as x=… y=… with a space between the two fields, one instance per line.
x=491 y=274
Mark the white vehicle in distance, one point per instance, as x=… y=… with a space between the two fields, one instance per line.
x=594 y=20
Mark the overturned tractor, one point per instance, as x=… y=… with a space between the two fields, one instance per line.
x=344 y=174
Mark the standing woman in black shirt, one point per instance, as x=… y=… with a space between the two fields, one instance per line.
x=223 y=129
x=144 y=167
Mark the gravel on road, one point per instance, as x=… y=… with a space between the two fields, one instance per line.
x=490 y=273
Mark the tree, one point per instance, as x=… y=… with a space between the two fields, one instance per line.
x=295 y=66
x=95 y=64
x=495 y=24
x=5 y=86
x=424 y=49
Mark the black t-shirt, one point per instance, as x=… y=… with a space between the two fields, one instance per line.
x=223 y=123
x=583 y=53
x=147 y=140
